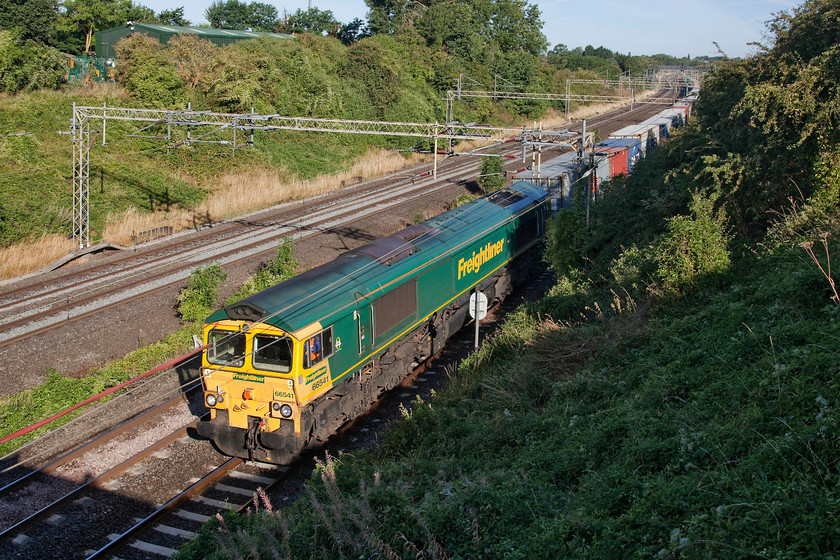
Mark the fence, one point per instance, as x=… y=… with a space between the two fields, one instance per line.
x=89 y=69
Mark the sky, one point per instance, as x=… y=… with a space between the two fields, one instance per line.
x=675 y=27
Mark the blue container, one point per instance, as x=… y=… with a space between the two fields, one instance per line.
x=633 y=145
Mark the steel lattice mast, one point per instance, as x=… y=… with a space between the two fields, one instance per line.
x=81 y=178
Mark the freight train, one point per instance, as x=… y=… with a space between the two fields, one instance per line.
x=286 y=367
x=563 y=176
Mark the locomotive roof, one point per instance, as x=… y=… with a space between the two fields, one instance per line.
x=368 y=271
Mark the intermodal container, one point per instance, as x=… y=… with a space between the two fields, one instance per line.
x=558 y=176
x=601 y=166
x=633 y=145
x=618 y=160
x=647 y=134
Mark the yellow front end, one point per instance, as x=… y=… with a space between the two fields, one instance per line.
x=258 y=382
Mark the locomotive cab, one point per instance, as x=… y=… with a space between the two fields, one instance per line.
x=250 y=374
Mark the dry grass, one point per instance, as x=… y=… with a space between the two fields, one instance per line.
x=237 y=194
x=231 y=195
x=23 y=258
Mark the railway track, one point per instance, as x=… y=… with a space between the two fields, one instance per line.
x=29 y=309
x=71 y=301
x=102 y=495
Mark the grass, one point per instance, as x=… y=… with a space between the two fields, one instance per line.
x=58 y=392
x=700 y=425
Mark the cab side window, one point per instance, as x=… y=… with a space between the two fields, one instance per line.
x=318 y=347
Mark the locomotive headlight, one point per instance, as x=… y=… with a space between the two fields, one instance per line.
x=282 y=410
x=210 y=399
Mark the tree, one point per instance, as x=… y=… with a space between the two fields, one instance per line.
x=313 y=20
x=353 y=32
x=27 y=66
x=233 y=14
x=264 y=17
x=463 y=26
x=81 y=18
x=34 y=19
x=173 y=17
x=491 y=173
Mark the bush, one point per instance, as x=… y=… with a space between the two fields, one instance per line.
x=27 y=66
x=566 y=241
x=144 y=70
x=282 y=267
x=693 y=246
x=490 y=174
x=198 y=299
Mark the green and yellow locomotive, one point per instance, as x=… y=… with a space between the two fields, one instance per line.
x=286 y=367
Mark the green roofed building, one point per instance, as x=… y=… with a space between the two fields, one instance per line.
x=107 y=38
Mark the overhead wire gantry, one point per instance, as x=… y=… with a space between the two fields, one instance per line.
x=237 y=130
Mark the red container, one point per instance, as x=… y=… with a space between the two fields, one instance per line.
x=618 y=160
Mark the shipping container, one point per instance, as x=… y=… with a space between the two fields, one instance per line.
x=599 y=160
x=660 y=127
x=686 y=109
x=647 y=134
x=633 y=146
x=618 y=160
x=677 y=116
x=558 y=176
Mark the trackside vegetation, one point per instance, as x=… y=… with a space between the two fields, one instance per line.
x=399 y=69
x=196 y=301
x=675 y=394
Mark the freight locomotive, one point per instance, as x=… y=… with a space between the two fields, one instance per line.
x=286 y=367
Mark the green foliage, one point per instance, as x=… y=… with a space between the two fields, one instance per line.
x=762 y=123
x=634 y=269
x=33 y=19
x=566 y=247
x=234 y=14
x=462 y=199
x=372 y=65
x=28 y=66
x=312 y=20
x=491 y=173
x=198 y=299
x=352 y=32
x=282 y=267
x=145 y=70
x=469 y=29
x=58 y=392
x=693 y=246
x=174 y=16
